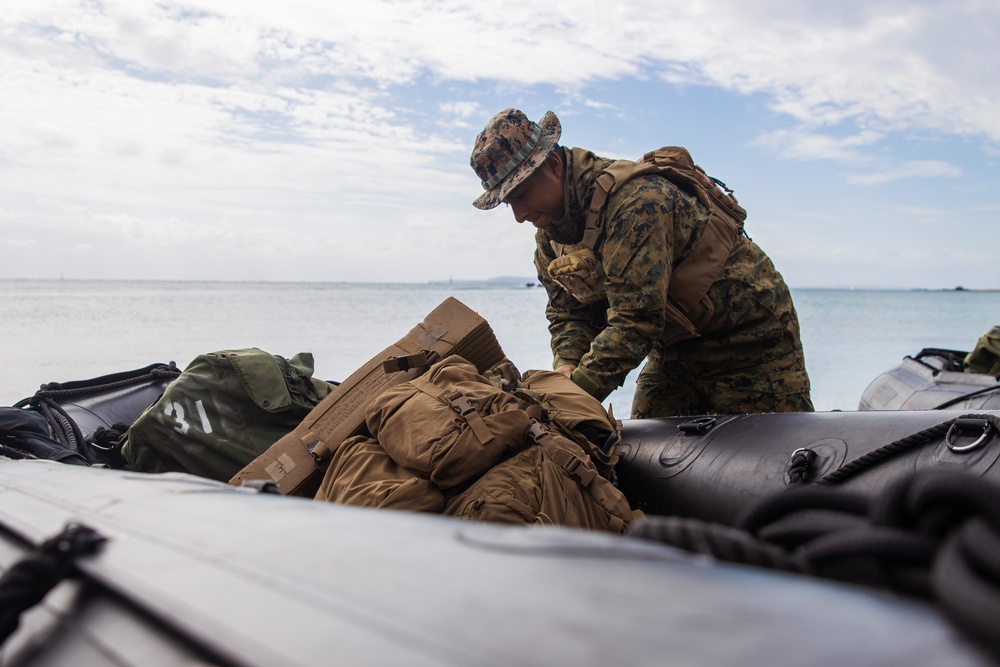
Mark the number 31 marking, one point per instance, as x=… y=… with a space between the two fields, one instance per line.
x=176 y=410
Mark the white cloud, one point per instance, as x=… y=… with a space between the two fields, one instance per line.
x=913 y=169
x=800 y=144
x=925 y=213
x=888 y=63
x=262 y=123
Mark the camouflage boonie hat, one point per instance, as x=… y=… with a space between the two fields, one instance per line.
x=508 y=150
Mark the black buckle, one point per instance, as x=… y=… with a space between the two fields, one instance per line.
x=699 y=425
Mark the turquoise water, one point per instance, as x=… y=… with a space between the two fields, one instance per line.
x=71 y=330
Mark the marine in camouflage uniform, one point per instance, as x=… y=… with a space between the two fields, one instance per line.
x=747 y=357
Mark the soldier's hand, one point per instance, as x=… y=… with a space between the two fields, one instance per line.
x=566 y=369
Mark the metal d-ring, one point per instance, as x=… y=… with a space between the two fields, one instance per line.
x=963 y=424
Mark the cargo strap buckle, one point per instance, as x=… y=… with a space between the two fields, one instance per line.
x=577 y=467
x=461 y=404
x=406 y=362
x=572 y=463
x=699 y=425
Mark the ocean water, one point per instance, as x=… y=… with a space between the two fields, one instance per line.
x=73 y=330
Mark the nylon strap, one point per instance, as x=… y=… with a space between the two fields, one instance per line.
x=580 y=468
x=595 y=222
x=565 y=458
x=406 y=362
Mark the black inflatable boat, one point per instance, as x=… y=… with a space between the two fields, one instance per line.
x=175 y=569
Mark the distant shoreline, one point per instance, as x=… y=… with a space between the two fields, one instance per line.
x=501 y=281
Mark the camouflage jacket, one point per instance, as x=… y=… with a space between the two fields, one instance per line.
x=651 y=225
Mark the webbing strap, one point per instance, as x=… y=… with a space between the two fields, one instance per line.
x=428 y=387
x=579 y=467
x=565 y=458
x=574 y=465
x=460 y=403
x=594 y=224
x=406 y=362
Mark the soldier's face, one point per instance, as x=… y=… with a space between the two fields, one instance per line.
x=539 y=198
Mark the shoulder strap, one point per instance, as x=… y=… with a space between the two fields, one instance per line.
x=567 y=455
x=609 y=181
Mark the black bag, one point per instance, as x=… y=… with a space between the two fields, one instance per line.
x=25 y=434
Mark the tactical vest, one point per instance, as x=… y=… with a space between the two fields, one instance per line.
x=578 y=268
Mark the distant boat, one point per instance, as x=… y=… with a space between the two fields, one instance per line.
x=932 y=379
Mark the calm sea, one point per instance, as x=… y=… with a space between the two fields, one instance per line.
x=72 y=330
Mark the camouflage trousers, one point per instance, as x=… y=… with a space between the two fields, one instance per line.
x=673 y=388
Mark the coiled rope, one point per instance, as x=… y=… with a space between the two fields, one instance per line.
x=934 y=535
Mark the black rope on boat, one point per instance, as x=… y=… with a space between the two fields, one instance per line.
x=108 y=437
x=934 y=535
x=49 y=398
x=67 y=390
x=718 y=541
x=65 y=430
x=874 y=457
x=29 y=580
x=802 y=460
x=800 y=465
x=774 y=509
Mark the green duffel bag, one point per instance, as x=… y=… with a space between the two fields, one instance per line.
x=223 y=411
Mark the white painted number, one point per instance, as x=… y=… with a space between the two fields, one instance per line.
x=176 y=410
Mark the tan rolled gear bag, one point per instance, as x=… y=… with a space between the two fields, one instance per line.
x=361 y=473
x=578 y=416
x=450 y=425
x=297 y=461
x=552 y=482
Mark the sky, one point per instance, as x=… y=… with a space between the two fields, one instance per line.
x=329 y=141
